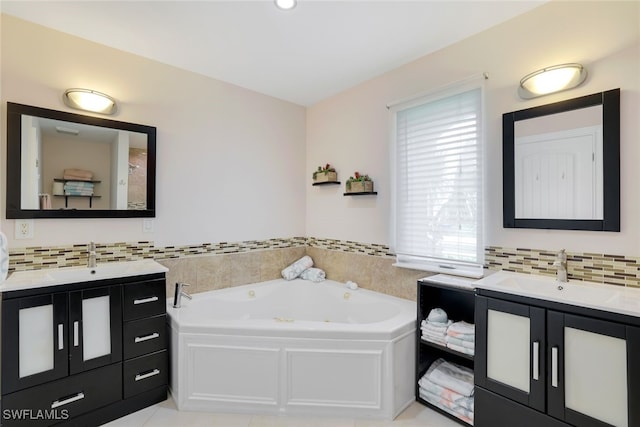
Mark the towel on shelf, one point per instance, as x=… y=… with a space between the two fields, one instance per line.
x=455 y=410
x=466 y=402
x=77 y=174
x=77 y=188
x=463 y=337
x=437 y=315
x=438 y=328
x=313 y=274
x=463 y=327
x=465 y=350
x=451 y=376
x=459 y=342
x=296 y=269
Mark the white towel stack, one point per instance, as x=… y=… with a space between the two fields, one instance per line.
x=434 y=327
x=449 y=387
x=461 y=336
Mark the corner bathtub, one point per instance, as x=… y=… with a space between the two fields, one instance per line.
x=297 y=347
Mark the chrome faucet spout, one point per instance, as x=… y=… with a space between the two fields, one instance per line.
x=561 y=266
x=91 y=258
x=179 y=293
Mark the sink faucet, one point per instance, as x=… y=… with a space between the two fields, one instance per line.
x=179 y=293
x=561 y=264
x=91 y=259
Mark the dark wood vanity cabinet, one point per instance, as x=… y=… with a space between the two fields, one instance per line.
x=541 y=363
x=84 y=353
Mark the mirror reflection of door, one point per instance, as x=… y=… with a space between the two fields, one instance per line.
x=559 y=172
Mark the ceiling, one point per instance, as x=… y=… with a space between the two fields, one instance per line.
x=305 y=55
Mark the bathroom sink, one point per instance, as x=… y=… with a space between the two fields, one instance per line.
x=599 y=296
x=59 y=276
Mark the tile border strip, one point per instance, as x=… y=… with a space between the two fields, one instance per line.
x=602 y=268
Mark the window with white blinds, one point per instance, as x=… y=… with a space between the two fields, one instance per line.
x=437 y=198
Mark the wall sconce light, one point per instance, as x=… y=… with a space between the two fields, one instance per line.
x=551 y=79
x=286 y=4
x=90 y=100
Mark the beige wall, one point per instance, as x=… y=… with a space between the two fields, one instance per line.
x=352 y=129
x=229 y=160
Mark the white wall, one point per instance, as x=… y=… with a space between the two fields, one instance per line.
x=351 y=130
x=230 y=160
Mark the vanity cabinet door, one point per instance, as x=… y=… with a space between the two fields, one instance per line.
x=592 y=376
x=95 y=328
x=510 y=350
x=34 y=341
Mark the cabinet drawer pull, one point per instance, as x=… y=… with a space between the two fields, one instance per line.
x=554 y=367
x=60 y=336
x=76 y=330
x=147 y=375
x=147 y=337
x=536 y=360
x=75 y=398
x=145 y=300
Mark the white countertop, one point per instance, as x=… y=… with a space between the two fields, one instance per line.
x=23 y=280
x=611 y=298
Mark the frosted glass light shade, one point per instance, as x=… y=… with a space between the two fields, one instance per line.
x=551 y=79
x=90 y=100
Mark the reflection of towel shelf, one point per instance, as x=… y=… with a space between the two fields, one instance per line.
x=66 y=198
x=75 y=180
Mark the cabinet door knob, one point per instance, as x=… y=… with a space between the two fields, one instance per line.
x=71 y=399
x=145 y=300
x=147 y=337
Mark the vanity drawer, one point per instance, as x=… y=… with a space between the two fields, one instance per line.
x=145 y=336
x=145 y=373
x=144 y=299
x=63 y=399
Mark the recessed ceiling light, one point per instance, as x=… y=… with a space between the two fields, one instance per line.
x=286 y=4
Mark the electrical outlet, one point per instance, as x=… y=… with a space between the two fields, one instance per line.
x=24 y=229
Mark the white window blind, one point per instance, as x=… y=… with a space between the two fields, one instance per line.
x=437 y=198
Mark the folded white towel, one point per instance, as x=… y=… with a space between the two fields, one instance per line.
x=454 y=377
x=296 y=269
x=440 y=328
x=463 y=327
x=461 y=349
x=435 y=340
x=463 y=337
x=464 y=401
x=313 y=274
x=459 y=342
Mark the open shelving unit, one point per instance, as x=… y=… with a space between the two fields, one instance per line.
x=458 y=302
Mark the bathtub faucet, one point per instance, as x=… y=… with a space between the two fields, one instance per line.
x=561 y=265
x=179 y=293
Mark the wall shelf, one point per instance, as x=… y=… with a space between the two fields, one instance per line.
x=66 y=198
x=364 y=193
x=326 y=183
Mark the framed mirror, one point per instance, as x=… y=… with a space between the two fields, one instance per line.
x=66 y=165
x=561 y=164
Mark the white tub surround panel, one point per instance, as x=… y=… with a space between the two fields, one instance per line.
x=297 y=348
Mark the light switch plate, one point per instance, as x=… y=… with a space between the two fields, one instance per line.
x=148 y=225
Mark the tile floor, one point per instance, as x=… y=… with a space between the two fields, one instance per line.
x=165 y=414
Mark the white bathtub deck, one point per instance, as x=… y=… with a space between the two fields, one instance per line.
x=166 y=415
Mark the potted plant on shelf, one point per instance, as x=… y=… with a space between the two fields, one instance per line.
x=325 y=174
x=359 y=184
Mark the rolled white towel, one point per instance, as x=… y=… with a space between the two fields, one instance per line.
x=313 y=274
x=296 y=269
x=437 y=315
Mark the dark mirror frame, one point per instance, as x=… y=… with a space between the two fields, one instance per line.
x=610 y=101
x=14 y=185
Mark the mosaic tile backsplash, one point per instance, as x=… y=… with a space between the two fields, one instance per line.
x=601 y=268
